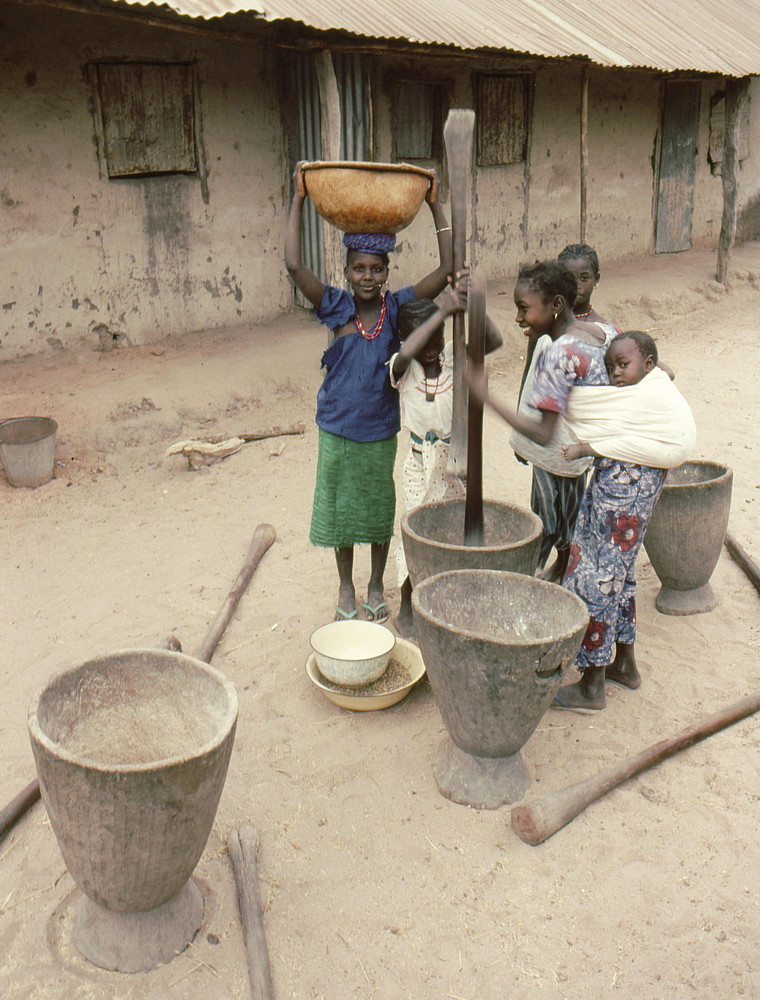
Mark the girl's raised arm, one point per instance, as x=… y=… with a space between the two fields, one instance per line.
x=453 y=301
x=308 y=282
x=433 y=284
x=541 y=431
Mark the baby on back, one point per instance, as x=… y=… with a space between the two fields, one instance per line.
x=645 y=420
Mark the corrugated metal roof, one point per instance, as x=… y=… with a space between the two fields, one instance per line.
x=709 y=36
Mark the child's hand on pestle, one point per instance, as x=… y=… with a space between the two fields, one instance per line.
x=453 y=299
x=477 y=382
x=461 y=280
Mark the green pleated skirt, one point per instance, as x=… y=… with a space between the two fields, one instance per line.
x=355 y=495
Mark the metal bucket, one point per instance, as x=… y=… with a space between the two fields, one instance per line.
x=27 y=448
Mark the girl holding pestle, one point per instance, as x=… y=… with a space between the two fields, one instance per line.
x=557 y=485
x=423 y=373
x=357 y=408
x=623 y=489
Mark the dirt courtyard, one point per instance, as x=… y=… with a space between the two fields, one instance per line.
x=375 y=887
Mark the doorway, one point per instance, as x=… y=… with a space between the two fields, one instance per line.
x=677 y=166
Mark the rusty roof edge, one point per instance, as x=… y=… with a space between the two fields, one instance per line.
x=174 y=13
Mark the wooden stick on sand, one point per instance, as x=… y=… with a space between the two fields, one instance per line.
x=243 y=846
x=538 y=820
x=740 y=556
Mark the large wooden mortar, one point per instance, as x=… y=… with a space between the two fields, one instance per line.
x=495 y=645
x=433 y=538
x=132 y=751
x=685 y=535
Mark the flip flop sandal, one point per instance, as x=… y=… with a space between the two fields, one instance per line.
x=581 y=709
x=377 y=613
x=344 y=616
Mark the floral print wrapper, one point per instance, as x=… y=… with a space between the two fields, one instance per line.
x=609 y=531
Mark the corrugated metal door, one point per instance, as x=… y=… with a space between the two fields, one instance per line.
x=355 y=105
x=302 y=100
x=678 y=160
x=302 y=96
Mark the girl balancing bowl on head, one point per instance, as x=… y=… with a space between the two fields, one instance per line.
x=357 y=408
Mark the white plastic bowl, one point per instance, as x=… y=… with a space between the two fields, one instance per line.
x=352 y=653
x=365 y=698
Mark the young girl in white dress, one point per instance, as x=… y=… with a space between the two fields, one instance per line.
x=422 y=371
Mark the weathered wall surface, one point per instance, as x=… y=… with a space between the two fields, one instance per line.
x=85 y=256
x=524 y=211
x=748 y=222
x=623 y=122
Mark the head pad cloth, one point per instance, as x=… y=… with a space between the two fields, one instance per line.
x=370 y=242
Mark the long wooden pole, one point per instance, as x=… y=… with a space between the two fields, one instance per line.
x=538 y=820
x=476 y=324
x=457 y=136
x=584 y=152
x=739 y=556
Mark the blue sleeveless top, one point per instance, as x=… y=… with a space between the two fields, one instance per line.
x=356 y=399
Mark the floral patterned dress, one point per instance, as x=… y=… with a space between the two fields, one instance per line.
x=614 y=512
x=614 y=515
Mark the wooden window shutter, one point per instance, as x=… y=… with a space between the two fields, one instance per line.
x=718 y=130
x=501 y=119
x=148 y=117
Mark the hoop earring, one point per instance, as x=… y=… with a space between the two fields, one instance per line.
x=555 y=317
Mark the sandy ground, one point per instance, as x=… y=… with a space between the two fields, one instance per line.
x=374 y=885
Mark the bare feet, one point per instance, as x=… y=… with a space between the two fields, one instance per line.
x=587 y=695
x=623 y=669
x=405 y=621
x=405 y=628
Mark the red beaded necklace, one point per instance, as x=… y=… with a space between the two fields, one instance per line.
x=375 y=331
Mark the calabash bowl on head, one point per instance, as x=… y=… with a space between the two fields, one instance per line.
x=359 y=197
